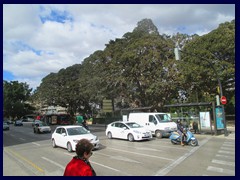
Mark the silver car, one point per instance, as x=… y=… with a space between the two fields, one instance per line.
x=41 y=128
x=5 y=126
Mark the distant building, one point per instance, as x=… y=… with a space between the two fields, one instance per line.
x=53 y=110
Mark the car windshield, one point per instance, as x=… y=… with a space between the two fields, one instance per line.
x=163 y=118
x=133 y=125
x=76 y=131
x=5 y=123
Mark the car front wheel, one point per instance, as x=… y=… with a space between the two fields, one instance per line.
x=158 y=134
x=69 y=147
x=130 y=137
x=53 y=143
x=109 y=135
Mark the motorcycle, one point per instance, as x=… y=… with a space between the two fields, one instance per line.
x=188 y=139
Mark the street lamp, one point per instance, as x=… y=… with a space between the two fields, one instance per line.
x=178 y=57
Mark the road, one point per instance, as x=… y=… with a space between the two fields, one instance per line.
x=29 y=154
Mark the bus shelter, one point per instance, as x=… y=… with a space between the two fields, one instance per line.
x=201 y=119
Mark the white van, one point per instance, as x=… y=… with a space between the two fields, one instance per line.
x=160 y=124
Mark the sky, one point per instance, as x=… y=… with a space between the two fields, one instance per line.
x=41 y=39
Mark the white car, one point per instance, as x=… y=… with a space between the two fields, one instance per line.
x=127 y=130
x=68 y=136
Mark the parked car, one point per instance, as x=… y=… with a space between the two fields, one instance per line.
x=5 y=126
x=18 y=123
x=68 y=136
x=127 y=130
x=41 y=127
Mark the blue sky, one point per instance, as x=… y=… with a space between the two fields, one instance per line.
x=47 y=38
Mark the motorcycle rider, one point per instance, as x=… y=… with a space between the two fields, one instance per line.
x=180 y=130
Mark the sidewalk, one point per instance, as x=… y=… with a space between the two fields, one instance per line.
x=230 y=133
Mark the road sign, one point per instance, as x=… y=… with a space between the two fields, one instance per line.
x=223 y=100
x=107 y=105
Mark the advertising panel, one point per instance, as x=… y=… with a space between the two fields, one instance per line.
x=219 y=118
x=205 y=120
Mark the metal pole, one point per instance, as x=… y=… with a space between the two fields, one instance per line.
x=218 y=79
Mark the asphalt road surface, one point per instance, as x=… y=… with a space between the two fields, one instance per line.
x=29 y=154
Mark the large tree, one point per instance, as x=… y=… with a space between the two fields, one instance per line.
x=139 y=69
x=215 y=50
x=15 y=97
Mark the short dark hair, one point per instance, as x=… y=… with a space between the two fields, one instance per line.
x=84 y=145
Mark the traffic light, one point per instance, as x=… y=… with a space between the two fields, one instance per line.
x=218 y=89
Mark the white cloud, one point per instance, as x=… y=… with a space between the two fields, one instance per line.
x=33 y=49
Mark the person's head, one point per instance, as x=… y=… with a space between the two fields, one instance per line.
x=179 y=121
x=84 y=148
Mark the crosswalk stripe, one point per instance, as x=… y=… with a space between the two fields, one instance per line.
x=221 y=170
x=228 y=149
x=225 y=156
x=224 y=152
x=229 y=144
x=223 y=162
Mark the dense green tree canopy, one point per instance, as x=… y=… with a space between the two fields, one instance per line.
x=140 y=69
x=215 y=50
x=15 y=97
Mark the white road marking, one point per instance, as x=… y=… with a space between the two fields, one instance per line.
x=221 y=170
x=36 y=144
x=70 y=154
x=229 y=144
x=121 y=158
x=142 y=154
x=223 y=162
x=169 y=167
x=148 y=149
x=59 y=165
x=225 y=156
x=154 y=145
x=224 y=152
x=105 y=166
x=227 y=148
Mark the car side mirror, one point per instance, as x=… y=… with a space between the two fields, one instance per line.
x=124 y=128
x=64 y=134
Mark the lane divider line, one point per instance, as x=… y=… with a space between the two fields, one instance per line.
x=24 y=159
x=49 y=160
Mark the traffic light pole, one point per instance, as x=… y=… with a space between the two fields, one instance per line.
x=178 y=57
